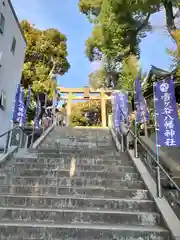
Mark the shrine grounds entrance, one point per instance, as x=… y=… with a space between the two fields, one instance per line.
x=87 y=94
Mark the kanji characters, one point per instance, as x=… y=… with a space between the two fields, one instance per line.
x=170 y=142
x=169 y=133
x=166 y=97
x=168 y=110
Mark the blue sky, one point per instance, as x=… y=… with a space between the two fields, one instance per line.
x=65 y=16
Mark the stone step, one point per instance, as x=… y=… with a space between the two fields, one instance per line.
x=77 y=203
x=81 y=147
x=79 y=153
x=41 y=231
x=75 y=182
x=80 y=134
x=68 y=216
x=82 y=167
x=123 y=176
x=57 y=150
x=45 y=190
x=81 y=161
x=78 y=143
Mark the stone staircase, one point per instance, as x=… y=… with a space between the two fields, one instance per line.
x=76 y=186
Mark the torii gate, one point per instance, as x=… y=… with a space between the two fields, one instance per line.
x=102 y=95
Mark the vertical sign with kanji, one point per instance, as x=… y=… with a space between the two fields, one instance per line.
x=166 y=113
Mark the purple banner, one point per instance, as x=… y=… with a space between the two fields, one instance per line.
x=38 y=112
x=138 y=91
x=142 y=113
x=21 y=108
x=28 y=99
x=117 y=115
x=123 y=105
x=166 y=113
x=119 y=108
x=16 y=102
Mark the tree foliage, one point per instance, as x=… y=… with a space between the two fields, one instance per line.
x=78 y=117
x=176 y=55
x=125 y=77
x=91 y=8
x=97 y=79
x=78 y=112
x=46 y=56
x=128 y=74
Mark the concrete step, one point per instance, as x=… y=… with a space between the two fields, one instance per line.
x=45 y=190
x=41 y=231
x=123 y=176
x=76 y=202
x=75 y=182
x=82 y=167
x=68 y=216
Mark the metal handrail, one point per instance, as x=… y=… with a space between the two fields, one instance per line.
x=8 y=136
x=3 y=134
x=157 y=163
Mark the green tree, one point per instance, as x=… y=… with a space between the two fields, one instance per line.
x=118 y=32
x=119 y=27
x=128 y=73
x=97 y=79
x=115 y=37
x=46 y=56
x=78 y=109
x=133 y=15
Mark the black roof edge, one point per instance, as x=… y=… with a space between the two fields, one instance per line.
x=17 y=20
x=160 y=73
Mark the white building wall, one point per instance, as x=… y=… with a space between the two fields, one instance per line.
x=11 y=64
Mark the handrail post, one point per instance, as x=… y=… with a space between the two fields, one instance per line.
x=122 y=140
x=158 y=182
x=32 y=138
x=158 y=174
x=135 y=140
x=7 y=143
x=127 y=140
x=26 y=142
x=21 y=138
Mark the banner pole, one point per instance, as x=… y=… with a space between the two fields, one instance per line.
x=158 y=175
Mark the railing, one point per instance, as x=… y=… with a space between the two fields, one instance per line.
x=22 y=138
x=167 y=183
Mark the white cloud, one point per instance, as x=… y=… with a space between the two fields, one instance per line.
x=96 y=65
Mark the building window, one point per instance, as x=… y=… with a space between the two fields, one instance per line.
x=2 y=100
x=13 y=47
x=2 y=23
x=3 y=3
